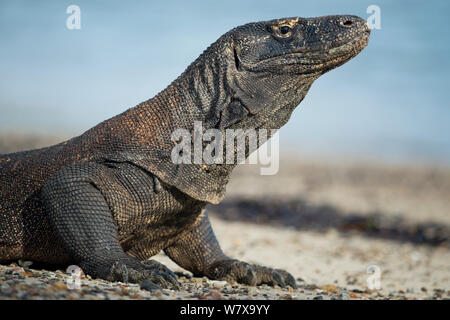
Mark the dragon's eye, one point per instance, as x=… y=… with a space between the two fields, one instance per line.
x=285 y=30
x=282 y=31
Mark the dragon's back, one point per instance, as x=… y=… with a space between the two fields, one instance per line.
x=22 y=174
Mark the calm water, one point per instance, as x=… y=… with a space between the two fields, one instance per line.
x=389 y=103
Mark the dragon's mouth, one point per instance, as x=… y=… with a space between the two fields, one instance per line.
x=318 y=58
x=339 y=55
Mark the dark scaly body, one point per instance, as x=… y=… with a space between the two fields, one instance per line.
x=111 y=198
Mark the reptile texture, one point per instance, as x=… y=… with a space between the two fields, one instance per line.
x=111 y=198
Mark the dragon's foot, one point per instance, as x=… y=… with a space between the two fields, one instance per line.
x=136 y=272
x=238 y=271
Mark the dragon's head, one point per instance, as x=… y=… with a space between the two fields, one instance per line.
x=259 y=72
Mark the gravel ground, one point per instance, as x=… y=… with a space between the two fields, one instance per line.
x=322 y=219
x=24 y=283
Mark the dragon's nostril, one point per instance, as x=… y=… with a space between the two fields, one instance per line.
x=347 y=23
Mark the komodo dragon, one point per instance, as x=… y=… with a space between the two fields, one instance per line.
x=112 y=197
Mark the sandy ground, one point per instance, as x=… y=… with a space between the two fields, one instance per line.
x=325 y=220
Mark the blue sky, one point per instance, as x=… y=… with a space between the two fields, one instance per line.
x=389 y=103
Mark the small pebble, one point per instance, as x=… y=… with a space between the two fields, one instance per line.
x=218 y=284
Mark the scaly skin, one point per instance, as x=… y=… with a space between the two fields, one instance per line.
x=111 y=198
